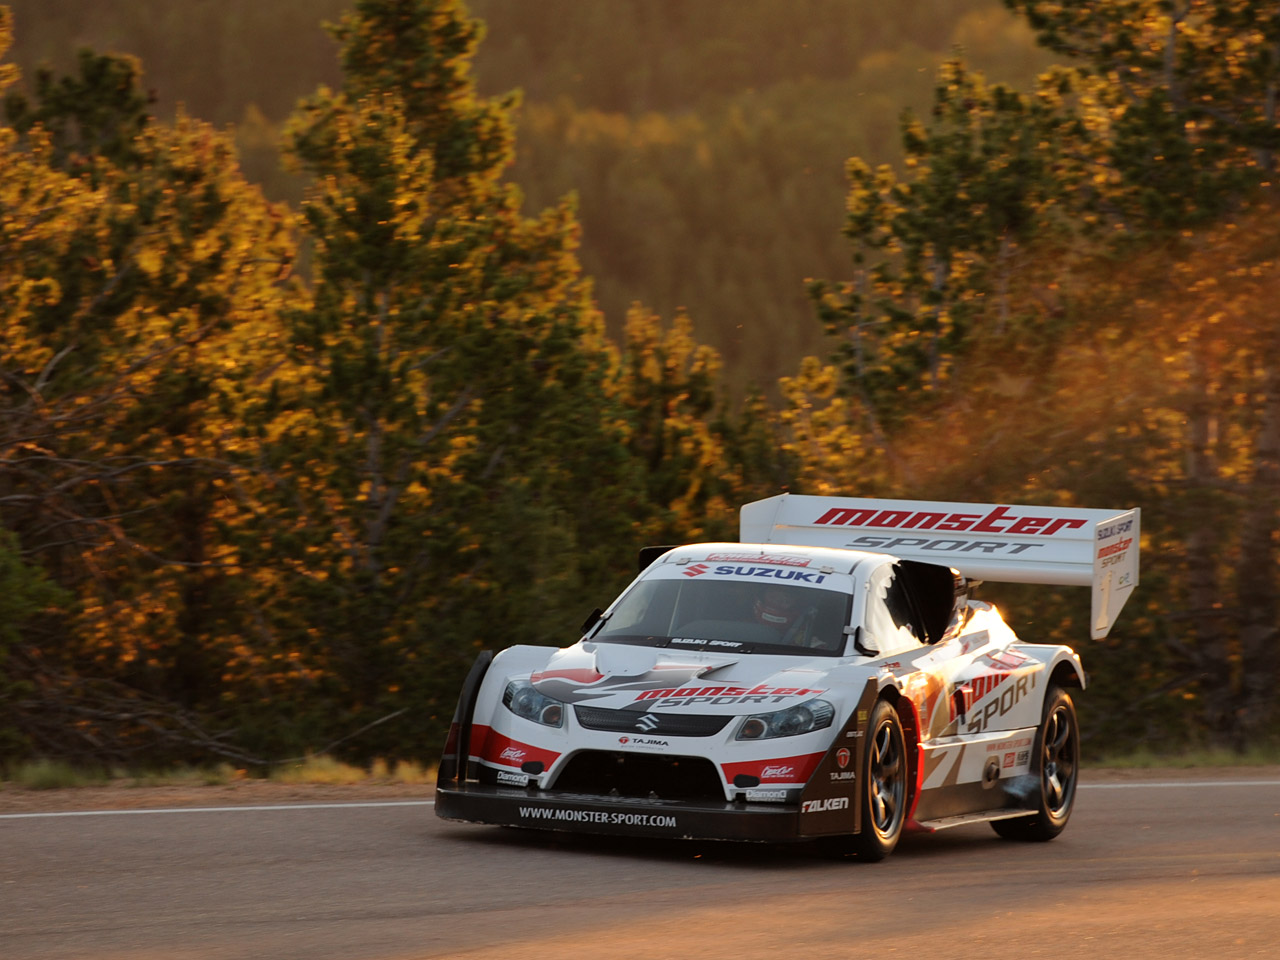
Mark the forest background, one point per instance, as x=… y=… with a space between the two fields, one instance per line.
x=283 y=446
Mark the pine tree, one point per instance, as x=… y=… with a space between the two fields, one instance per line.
x=139 y=274
x=450 y=460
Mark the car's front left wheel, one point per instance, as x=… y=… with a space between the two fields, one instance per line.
x=883 y=792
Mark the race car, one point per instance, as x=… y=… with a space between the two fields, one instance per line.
x=828 y=678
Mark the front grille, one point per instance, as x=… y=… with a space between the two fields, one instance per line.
x=640 y=775
x=650 y=724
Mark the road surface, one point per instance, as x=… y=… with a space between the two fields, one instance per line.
x=1145 y=869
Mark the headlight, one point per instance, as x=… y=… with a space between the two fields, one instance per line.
x=524 y=701
x=802 y=718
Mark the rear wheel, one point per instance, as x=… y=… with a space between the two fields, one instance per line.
x=883 y=792
x=1057 y=766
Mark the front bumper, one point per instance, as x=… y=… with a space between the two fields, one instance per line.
x=619 y=816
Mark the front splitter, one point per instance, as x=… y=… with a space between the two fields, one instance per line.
x=619 y=816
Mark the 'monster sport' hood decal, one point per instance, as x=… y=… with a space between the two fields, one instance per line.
x=592 y=671
x=645 y=678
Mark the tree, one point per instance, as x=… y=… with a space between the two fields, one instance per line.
x=432 y=459
x=699 y=457
x=1187 y=91
x=140 y=274
x=94 y=114
x=937 y=254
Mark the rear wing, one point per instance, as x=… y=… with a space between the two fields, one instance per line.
x=1069 y=546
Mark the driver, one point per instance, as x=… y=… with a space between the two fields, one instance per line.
x=778 y=608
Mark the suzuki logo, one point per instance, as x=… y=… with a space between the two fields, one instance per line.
x=696 y=570
x=648 y=723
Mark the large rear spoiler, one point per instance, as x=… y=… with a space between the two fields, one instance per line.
x=1011 y=544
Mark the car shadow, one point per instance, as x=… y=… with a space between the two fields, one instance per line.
x=781 y=856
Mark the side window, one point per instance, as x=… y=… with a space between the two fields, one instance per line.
x=890 y=624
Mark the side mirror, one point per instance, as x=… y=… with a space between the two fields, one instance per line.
x=856 y=633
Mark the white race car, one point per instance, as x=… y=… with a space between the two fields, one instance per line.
x=827 y=678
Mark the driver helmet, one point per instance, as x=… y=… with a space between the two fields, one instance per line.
x=777 y=608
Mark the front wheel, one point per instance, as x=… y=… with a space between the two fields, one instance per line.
x=883 y=792
x=1057 y=766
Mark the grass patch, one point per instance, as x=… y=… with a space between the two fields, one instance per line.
x=409 y=772
x=319 y=770
x=328 y=770
x=54 y=775
x=217 y=775
x=57 y=775
x=1265 y=755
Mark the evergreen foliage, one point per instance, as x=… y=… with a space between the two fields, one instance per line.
x=246 y=514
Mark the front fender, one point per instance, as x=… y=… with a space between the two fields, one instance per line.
x=458 y=742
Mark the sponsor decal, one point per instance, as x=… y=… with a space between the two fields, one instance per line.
x=839 y=776
x=774 y=771
x=769 y=573
x=768 y=796
x=642 y=742
x=1008 y=760
x=648 y=723
x=748 y=558
x=1010 y=696
x=1119 y=546
x=1024 y=756
x=1004 y=745
x=980 y=687
x=518 y=779
x=1115 y=529
x=699 y=642
x=610 y=818
x=697 y=570
x=686 y=696
x=926 y=520
x=842 y=757
x=822 y=806
x=1010 y=659
x=1114 y=553
x=581 y=685
x=492 y=747
x=946 y=545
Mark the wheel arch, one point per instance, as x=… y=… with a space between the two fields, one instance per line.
x=1068 y=674
x=909 y=718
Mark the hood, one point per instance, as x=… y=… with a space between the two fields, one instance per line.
x=652 y=679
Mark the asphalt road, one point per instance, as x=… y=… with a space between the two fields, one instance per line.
x=1143 y=870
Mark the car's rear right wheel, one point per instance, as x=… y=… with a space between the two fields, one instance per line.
x=1056 y=766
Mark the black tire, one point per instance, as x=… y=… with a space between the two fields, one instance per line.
x=1056 y=768
x=883 y=792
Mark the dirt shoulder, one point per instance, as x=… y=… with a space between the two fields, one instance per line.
x=125 y=796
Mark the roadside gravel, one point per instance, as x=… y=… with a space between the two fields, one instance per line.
x=125 y=796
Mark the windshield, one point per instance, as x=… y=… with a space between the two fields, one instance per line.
x=745 y=616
